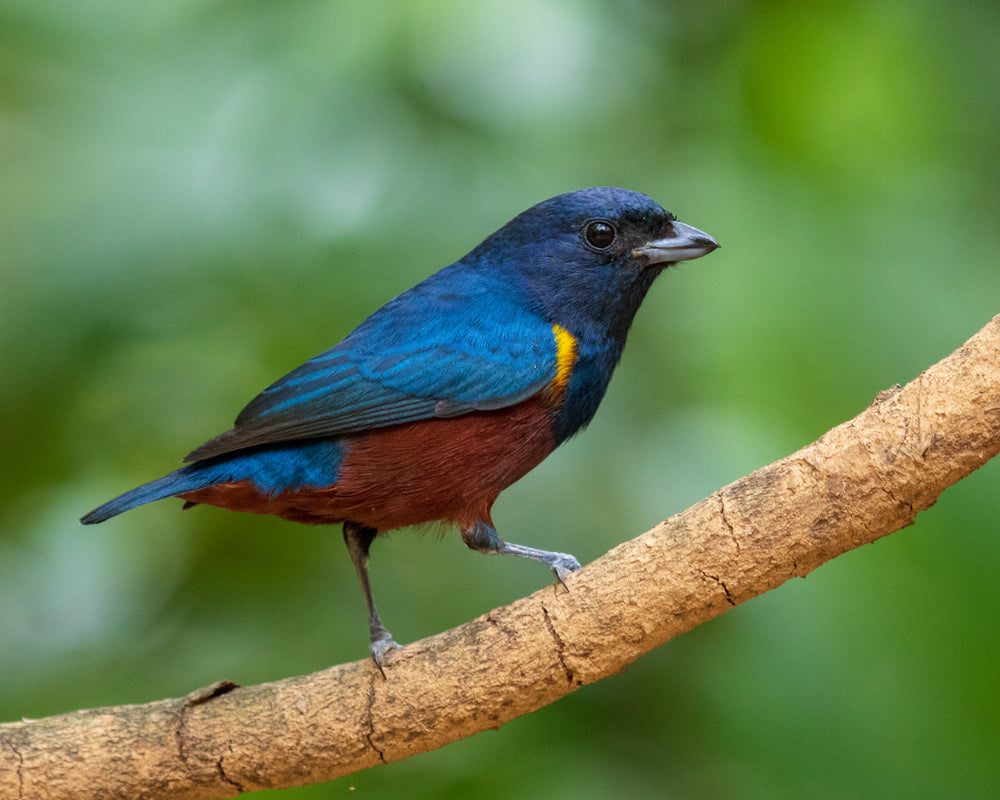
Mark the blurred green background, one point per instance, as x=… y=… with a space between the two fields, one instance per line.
x=197 y=196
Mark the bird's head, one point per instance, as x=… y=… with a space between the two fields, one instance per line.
x=587 y=258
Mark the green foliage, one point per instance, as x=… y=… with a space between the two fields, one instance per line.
x=197 y=196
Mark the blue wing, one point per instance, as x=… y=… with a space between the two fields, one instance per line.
x=451 y=345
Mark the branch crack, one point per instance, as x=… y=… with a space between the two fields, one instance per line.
x=720 y=582
x=20 y=767
x=197 y=698
x=560 y=645
x=369 y=720
x=179 y=736
x=225 y=778
x=727 y=523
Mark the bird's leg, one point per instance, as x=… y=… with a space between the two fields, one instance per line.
x=484 y=538
x=359 y=539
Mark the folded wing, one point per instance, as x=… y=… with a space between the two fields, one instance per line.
x=432 y=352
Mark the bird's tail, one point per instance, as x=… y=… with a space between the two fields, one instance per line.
x=269 y=470
x=180 y=482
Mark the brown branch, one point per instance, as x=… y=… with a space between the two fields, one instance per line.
x=862 y=480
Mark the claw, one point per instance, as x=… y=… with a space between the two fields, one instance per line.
x=563 y=565
x=380 y=647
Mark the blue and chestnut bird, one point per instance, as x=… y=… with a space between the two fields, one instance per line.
x=452 y=391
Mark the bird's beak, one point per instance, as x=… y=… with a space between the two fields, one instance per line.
x=686 y=243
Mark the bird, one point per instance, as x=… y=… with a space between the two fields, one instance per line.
x=448 y=393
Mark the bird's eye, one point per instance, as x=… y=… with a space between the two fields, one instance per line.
x=599 y=234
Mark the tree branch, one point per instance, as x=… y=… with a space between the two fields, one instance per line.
x=862 y=480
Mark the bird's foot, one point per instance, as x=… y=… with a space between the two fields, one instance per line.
x=562 y=565
x=483 y=537
x=381 y=645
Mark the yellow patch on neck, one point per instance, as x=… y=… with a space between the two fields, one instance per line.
x=566 y=354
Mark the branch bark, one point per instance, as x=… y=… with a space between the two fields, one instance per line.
x=860 y=481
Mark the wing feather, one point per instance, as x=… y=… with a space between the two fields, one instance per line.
x=438 y=350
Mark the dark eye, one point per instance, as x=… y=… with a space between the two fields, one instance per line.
x=599 y=234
